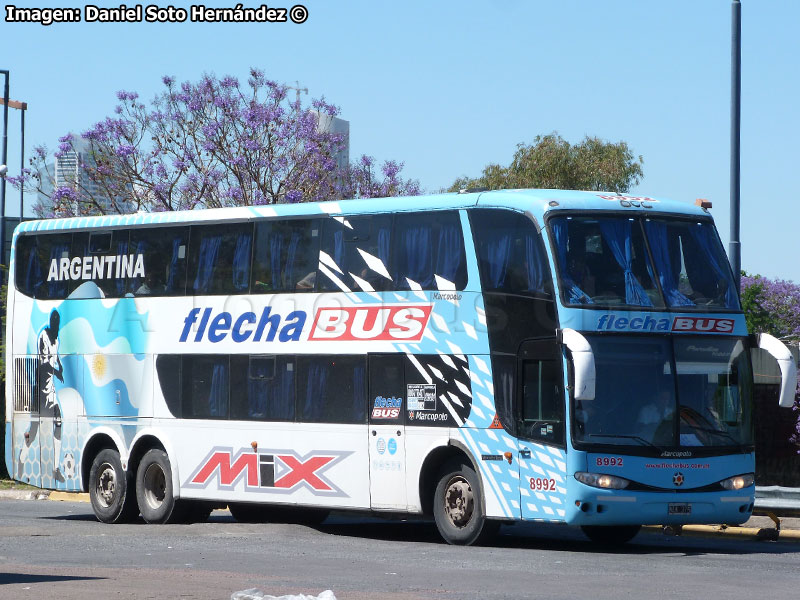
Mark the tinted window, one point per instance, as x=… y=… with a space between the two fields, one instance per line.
x=168 y=367
x=542 y=401
x=429 y=252
x=220 y=259
x=42 y=265
x=331 y=389
x=604 y=261
x=165 y=257
x=355 y=254
x=691 y=264
x=511 y=255
x=262 y=388
x=105 y=259
x=387 y=389
x=286 y=255
x=205 y=386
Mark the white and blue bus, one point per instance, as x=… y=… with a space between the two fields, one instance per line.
x=480 y=358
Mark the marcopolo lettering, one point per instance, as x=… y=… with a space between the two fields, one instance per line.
x=96 y=267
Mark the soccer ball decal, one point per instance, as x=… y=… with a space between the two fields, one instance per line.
x=68 y=466
x=677 y=479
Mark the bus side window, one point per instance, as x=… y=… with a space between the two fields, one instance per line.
x=286 y=256
x=38 y=271
x=429 y=251
x=164 y=252
x=542 y=401
x=205 y=386
x=219 y=261
x=511 y=254
x=360 y=248
x=262 y=388
x=331 y=389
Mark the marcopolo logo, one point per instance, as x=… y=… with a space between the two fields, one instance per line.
x=276 y=471
x=380 y=322
x=611 y=322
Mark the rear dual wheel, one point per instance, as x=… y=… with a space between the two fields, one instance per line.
x=154 y=493
x=111 y=489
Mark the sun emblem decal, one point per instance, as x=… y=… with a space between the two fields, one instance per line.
x=677 y=479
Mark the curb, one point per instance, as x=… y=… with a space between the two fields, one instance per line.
x=24 y=494
x=723 y=531
x=69 y=497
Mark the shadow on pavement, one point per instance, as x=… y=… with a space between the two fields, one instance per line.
x=9 y=578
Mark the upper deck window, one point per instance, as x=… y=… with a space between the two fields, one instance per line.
x=511 y=254
x=647 y=263
x=603 y=260
x=691 y=264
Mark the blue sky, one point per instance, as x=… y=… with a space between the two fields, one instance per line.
x=448 y=87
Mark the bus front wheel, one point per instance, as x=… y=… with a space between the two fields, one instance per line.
x=457 y=507
x=154 y=488
x=611 y=535
x=110 y=489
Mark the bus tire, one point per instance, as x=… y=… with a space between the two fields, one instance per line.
x=111 y=489
x=611 y=535
x=154 y=489
x=457 y=507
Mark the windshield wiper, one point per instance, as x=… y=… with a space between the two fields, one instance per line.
x=643 y=441
x=712 y=431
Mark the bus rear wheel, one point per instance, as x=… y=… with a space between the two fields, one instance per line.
x=611 y=535
x=154 y=489
x=457 y=507
x=111 y=489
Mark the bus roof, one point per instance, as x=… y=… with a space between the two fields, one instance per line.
x=537 y=202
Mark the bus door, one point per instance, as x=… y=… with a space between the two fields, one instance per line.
x=387 y=447
x=540 y=421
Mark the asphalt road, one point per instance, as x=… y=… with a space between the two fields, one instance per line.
x=58 y=550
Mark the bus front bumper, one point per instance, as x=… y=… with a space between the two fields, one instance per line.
x=607 y=507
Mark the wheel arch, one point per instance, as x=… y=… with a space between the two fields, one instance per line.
x=100 y=439
x=152 y=439
x=432 y=465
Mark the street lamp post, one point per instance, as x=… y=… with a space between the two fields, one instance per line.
x=735 y=246
x=4 y=161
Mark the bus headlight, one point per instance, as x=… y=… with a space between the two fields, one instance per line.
x=738 y=482
x=600 y=480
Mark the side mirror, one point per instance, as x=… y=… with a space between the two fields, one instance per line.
x=781 y=353
x=582 y=363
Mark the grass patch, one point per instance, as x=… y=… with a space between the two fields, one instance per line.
x=10 y=484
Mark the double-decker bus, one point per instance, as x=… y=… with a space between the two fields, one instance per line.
x=481 y=358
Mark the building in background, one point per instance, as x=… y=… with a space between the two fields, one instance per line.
x=329 y=124
x=70 y=170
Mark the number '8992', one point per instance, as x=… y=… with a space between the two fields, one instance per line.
x=609 y=461
x=542 y=484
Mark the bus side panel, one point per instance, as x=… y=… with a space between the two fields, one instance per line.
x=283 y=463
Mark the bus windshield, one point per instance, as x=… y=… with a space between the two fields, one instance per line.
x=642 y=262
x=668 y=393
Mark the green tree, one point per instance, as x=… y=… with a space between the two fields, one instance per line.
x=552 y=162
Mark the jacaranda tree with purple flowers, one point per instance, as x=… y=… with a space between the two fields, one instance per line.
x=773 y=306
x=210 y=144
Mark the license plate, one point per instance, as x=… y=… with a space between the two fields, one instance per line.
x=679 y=509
